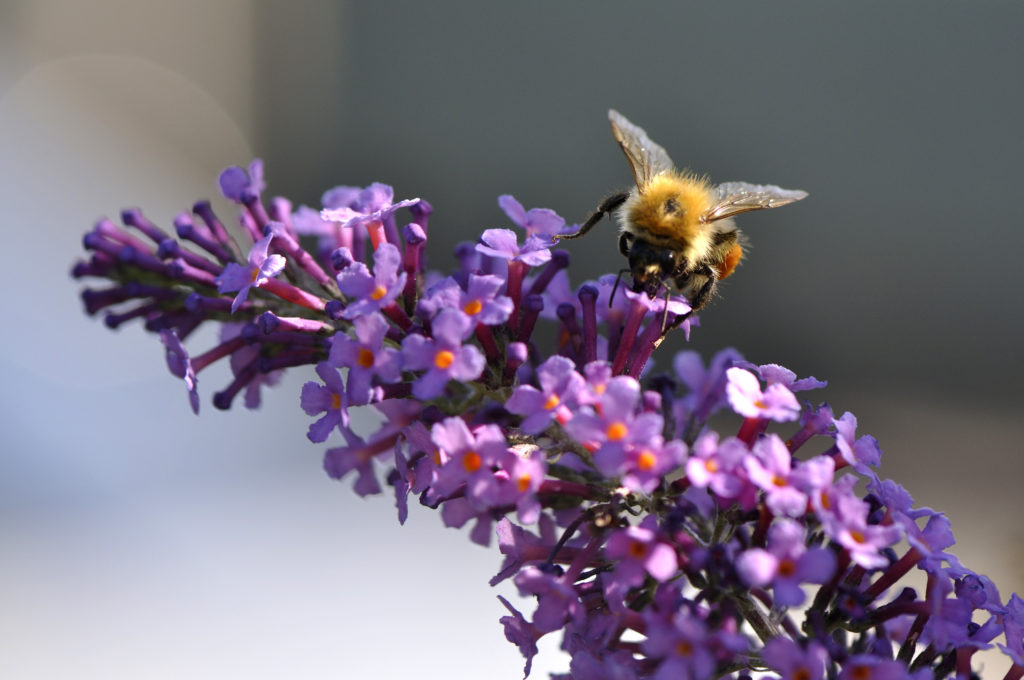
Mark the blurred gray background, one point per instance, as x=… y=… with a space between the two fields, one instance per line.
x=139 y=541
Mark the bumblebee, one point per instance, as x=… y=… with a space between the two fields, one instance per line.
x=675 y=226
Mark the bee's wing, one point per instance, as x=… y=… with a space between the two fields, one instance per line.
x=733 y=198
x=646 y=158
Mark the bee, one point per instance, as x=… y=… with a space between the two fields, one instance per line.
x=675 y=226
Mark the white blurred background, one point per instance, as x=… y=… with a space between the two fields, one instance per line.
x=139 y=541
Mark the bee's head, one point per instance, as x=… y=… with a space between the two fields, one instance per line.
x=650 y=265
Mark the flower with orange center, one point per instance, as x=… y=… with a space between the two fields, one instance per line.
x=616 y=431
x=646 y=460
x=471 y=461
x=444 y=359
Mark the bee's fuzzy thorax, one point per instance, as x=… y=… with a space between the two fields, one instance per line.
x=669 y=208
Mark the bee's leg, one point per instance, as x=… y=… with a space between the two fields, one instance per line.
x=703 y=280
x=607 y=206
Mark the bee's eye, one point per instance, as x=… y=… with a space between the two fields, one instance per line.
x=671 y=206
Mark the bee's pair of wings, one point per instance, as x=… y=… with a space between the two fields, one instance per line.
x=648 y=159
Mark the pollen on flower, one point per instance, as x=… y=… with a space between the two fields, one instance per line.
x=616 y=431
x=711 y=465
x=444 y=359
x=551 y=402
x=860 y=672
x=637 y=550
x=787 y=567
x=471 y=461
x=366 y=358
x=646 y=461
x=378 y=292
x=523 y=482
x=779 y=481
x=858 y=536
x=335 y=402
x=473 y=307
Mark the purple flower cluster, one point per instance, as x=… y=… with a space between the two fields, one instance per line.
x=659 y=547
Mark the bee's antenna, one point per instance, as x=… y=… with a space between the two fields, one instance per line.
x=618 y=277
x=664 y=315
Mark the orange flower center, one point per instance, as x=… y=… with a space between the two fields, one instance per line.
x=684 y=648
x=711 y=465
x=858 y=536
x=471 y=461
x=861 y=672
x=787 y=568
x=335 y=402
x=637 y=550
x=646 y=461
x=778 y=481
x=473 y=307
x=378 y=292
x=365 y=358
x=616 y=431
x=552 y=402
x=523 y=482
x=444 y=359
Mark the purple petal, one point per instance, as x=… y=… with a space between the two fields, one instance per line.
x=512 y=208
x=233 y=181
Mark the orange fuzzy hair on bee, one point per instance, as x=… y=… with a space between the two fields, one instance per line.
x=670 y=206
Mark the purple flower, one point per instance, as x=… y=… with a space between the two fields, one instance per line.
x=180 y=365
x=520 y=546
x=613 y=426
x=558 y=395
x=521 y=633
x=639 y=551
x=677 y=304
x=857 y=452
x=261 y=267
x=720 y=468
x=774 y=374
x=503 y=244
x=535 y=222
x=706 y=385
x=647 y=463
x=1013 y=625
x=684 y=645
x=329 y=399
x=557 y=601
x=244 y=363
x=365 y=357
x=373 y=292
x=443 y=356
x=469 y=457
x=234 y=181
x=374 y=204
x=793 y=662
x=844 y=517
x=745 y=396
x=769 y=467
x=358 y=456
x=786 y=564
x=519 y=481
x=868 y=667
x=480 y=301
